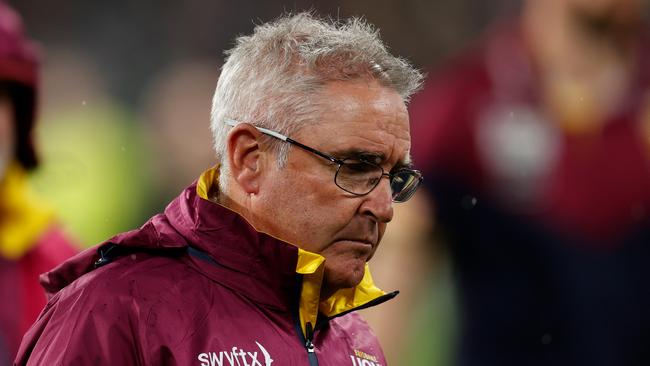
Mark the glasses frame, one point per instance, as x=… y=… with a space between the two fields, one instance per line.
x=337 y=161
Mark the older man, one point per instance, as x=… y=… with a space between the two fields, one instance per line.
x=263 y=260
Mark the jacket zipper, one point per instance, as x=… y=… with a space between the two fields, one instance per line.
x=308 y=338
x=309 y=345
x=308 y=341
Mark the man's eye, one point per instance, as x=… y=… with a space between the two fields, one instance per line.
x=373 y=181
x=360 y=167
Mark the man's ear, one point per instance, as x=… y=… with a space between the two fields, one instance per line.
x=244 y=156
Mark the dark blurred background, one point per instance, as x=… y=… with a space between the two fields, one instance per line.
x=133 y=42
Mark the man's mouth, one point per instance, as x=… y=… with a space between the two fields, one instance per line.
x=364 y=245
x=360 y=240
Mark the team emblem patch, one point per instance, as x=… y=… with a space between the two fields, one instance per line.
x=360 y=358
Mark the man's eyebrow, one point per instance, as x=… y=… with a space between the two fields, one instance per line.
x=356 y=153
x=373 y=156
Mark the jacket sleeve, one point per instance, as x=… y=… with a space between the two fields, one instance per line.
x=87 y=327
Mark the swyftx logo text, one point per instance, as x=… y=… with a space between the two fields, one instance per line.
x=237 y=357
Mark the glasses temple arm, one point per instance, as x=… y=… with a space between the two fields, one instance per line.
x=314 y=151
x=277 y=135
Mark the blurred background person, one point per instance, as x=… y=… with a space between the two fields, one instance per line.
x=536 y=147
x=31 y=241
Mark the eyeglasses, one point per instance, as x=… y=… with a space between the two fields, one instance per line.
x=358 y=176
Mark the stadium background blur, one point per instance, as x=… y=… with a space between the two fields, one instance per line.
x=124 y=116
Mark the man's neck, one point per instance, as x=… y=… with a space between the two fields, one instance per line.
x=226 y=200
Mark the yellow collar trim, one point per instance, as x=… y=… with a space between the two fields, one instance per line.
x=312 y=267
x=23 y=217
x=350 y=298
x=207 y=181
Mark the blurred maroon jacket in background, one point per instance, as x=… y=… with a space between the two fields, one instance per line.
x=547 y=220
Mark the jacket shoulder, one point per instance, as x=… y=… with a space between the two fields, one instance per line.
x=130 y=275
x=111 y=313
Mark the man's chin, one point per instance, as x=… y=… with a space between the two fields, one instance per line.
x=341 y=277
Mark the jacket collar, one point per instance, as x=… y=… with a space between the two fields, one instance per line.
x=259 y=258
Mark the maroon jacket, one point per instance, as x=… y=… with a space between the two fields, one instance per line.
x=197 y=285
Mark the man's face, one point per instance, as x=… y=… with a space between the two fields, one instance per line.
x=7 y=137
x=302 y=204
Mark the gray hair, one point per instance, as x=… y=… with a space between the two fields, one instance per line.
x=270 y=76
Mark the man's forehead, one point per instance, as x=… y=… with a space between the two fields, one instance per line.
x=360 y=117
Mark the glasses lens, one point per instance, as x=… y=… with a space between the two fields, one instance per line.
x=358 y=177
x=404 y=183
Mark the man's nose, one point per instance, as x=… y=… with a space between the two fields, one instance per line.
x=379 y=202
